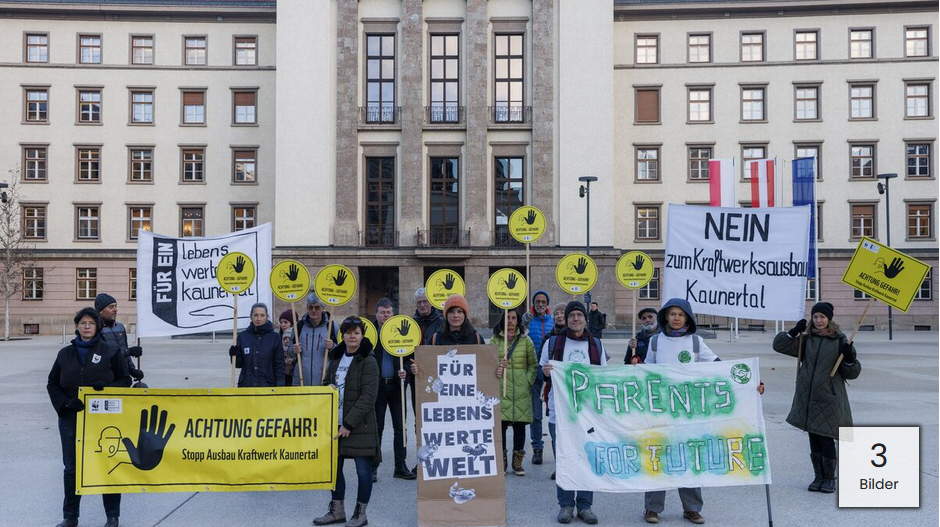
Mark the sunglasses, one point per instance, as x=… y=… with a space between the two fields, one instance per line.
x=352 y=321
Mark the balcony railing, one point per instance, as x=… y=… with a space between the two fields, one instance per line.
x=439 y=236
x=375 y=236
x=502 y=238
x=375 y=114
x=439 y=113
x=510 y=114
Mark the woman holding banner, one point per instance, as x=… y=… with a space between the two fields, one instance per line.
x=259 y=352
x=820 y=402
x=87 y=361
x=520 y=368
x=354 y=372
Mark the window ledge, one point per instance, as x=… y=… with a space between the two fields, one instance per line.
x=245 y=125
x=647 y=181
x=509 y=126
x=700 y=122
x=192 y=182
x=931 y=239
x=919 y=178
x=140 y=182
x=919 y=118
x=762 y=121
x=79 y=123
x=445 y=126
x=140 y=124
x=193 y=125
x=35 y=122
x=87 y=182
x=807 y=120
x=85 y=240
x=697 y=180
x=650 y=123
x=244 y=183
x=392 y=127
x=34 y=181
x=643 y=240
x=862 y=119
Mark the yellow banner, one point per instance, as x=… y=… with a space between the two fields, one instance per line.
x=885 y=274
x=133 y=440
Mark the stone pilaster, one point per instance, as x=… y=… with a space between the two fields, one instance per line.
x=476 y=277
x=411 y=194
x=475 y=169
x=346 y=226
x=410 y=278
x=543 y=110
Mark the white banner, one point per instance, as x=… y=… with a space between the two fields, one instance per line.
x=738 y=262
x=177 y=290
x=640 y=428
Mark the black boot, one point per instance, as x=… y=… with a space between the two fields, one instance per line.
x=829 y=475
x=112 y=522
x=68 y=522
x=536 y=456
x=818 y=469
x=505 y=462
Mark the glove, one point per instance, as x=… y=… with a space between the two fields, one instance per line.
x=798 y=328
x=848 y=352
x=233 y=351
x=98 y=385
x=134 y=351
x=75 y=405
x=137 y=374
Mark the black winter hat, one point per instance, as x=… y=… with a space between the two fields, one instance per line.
x=823 y=307
x=645 y=310
x=575 y=305
x=104 y=300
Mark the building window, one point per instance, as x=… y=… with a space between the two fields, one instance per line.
x=806 y=101
x=37 y=105
x=86 y=283
x=34 y=222
x=194 y=107
x=34 y=163
x=194 y=161
x=862 y=101
x=380 y=78
x=32 y=283
x=860 y=44
x=919 y=221
x=89 y=106
x=917 y=100
x=647 y=222
x=89 y=164
x=650 y=291
x=752 y=104
x=807 y=45
x=700 y=47
x=142 y=107
x=245 y=107
x=510 y=195
x=89 y=47
x=700 y=105
x=751 y=153
x=814 y=150
x=445 y=79
x=88 y=222
x=925 y=292
x=380 y=202
x=195 y=51
x=647 y=49
x=444 y=218
x=811 y=288
x=698 y=162
x=918 y=160
x=142 y=50
x=132 y=284
x=245 y=164
x=752 y=47
x=647 y=164
x=139 y=219
x=191 y=219
x=863 y=221
x=862 y=161
x=859 y=295
x=243 y=217
x=37 y=47
x=246 y=51
x=142 y=165
x=647 y=105
x=916 y=43
x=509 y=79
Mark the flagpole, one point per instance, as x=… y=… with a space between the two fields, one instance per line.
x=816 y=229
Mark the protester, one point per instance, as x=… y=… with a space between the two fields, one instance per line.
x=597 y=321
x=820 y=402
x=353 y=371
x=427 y=317
x=539 y=324
x=285 y=322
x=317 y=334
x=89 y=360
x=516 y=403
x=558 y=316
x=672 y=345
x=575 y=344
x=640 y=342
x=113 y=331
x=389 y=395
x=258 y=352
x=456 y=328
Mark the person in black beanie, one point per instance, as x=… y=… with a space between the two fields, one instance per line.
x=113 y=331
x=820 y=402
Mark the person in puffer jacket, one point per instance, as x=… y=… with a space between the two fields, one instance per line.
x=259 y=352
x=539 y=323
x=515 y=405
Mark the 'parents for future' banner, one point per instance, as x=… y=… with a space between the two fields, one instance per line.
x=177 y=289
x=163 y=440
x=736 y=262
x=640 y=428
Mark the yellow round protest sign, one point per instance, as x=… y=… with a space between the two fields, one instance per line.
x=235 y=272
x=400 y=335
x=335 y=285
x=576 y=273
x=441 y=284
x=506 y=288
x=369 y=331
x=290 y=280
x=635 y=269
x=527 y=224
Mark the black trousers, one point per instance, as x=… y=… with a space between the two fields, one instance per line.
x=390 y=398
x=518 y=434
x=70 y=506
x=822 y=445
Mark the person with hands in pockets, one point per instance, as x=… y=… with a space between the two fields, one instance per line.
x=259 y=352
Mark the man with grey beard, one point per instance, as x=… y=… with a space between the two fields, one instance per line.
x=640 y=343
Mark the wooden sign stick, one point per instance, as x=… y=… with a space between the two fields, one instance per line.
x=506 y=346
x=234 y=335
x=631 y=351
x=300 y=356
x=404 y=435
x=852 y=338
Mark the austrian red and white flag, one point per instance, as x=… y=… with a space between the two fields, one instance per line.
x=721 y=182
x=763 y=177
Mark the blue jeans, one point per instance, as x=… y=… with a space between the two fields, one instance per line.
x=364 y=473
x=72 y=501
x=569 y=498
x=535 y=429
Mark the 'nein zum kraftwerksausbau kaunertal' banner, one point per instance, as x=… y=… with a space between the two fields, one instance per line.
x=637 y=428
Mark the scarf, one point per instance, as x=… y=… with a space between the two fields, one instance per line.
x=558 y=352
x=82 y=347
x=825 y=332
x=676 y=332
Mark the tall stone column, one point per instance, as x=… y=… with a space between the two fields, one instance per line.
x=543 y=111
x=410 y=278
x=411 y=193
x=346 y=226
x=475 y=167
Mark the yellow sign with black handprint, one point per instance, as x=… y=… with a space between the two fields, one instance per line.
x=335 y=285
x=235 y=272
x=290 y=280
x=576 y=273
x=400 y=335
x=507 y=288
x=883 y=273
x=527 y=224
x=634 y=269
x=441 y=284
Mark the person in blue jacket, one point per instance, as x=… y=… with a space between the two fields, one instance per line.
x=539 y=323
x=258 y=352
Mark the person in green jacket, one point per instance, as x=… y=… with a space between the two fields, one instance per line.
x=520 y=369
x=820 y=402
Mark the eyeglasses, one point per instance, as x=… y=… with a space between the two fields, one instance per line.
x=315 y=307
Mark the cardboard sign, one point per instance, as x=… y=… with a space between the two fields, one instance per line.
x=883 y=273
x=576 y=273
x=335 y=285
x=506 y=288
x=290 y=280
x=400 y=335
x=635 y=269
x=527 y=224
x=441 y=285
x=235 y=273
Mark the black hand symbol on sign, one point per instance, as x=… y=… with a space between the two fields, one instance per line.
x=897 y=265
x=530 y=217
x=448 y=282
x=150 y=442
x=511 y=282
x=340 y=278
x=638 y=264
x=581 y=267
x=404 y=328
x=239 y=264
x=293 y=272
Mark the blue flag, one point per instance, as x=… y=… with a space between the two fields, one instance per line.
x=804 y=178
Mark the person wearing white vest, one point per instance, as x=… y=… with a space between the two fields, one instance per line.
x=676 y=343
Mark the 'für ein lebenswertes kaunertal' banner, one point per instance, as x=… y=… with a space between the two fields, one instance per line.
x=132 y=440
x=738 y=262
x=636 y=428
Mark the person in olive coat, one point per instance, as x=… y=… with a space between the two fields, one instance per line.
x=516 y=404
x=259 y=352
x=88 y=361
x=820 y=402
